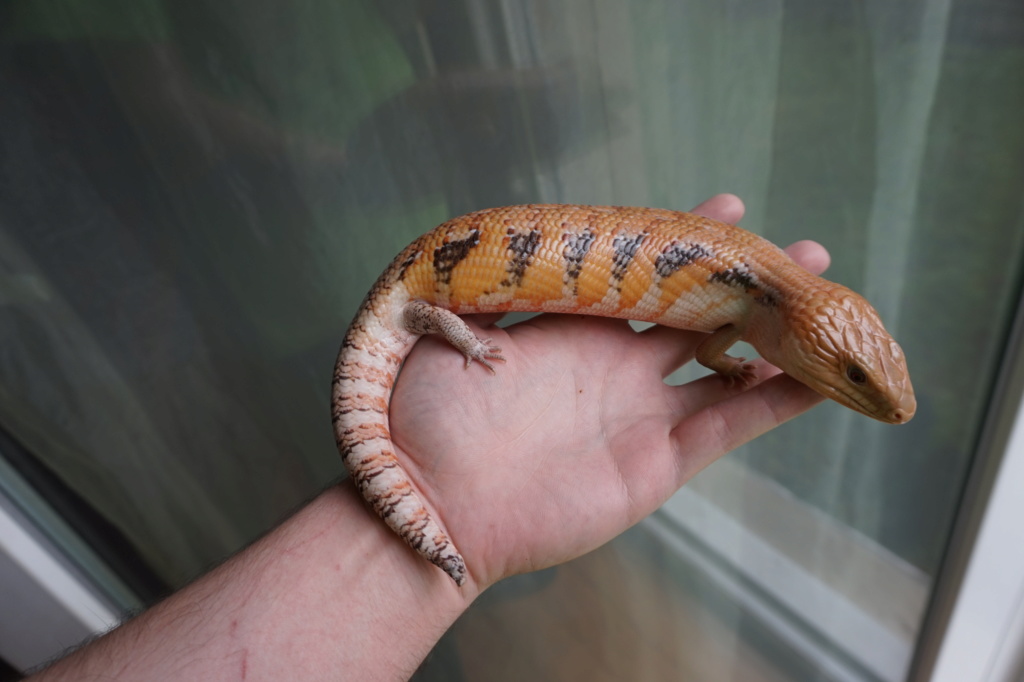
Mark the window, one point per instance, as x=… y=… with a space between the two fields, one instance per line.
x=195 y=196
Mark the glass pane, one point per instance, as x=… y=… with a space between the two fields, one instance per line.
x=195 y=196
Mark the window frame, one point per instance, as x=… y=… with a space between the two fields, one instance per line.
x=974 y=628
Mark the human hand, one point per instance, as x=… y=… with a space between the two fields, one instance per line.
x=576 y=437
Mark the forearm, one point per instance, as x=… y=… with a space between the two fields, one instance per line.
x=329 y=594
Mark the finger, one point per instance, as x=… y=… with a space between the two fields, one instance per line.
x=669 y=348
x=727 y=208
x=706 y=391
x=703 y=437
x=811 y=255
x=483 y=320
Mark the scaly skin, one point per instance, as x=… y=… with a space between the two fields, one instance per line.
x=676 y=269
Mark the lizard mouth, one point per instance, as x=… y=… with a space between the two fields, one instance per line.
x=891 y=410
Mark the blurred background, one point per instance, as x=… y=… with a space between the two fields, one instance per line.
x=196 y=195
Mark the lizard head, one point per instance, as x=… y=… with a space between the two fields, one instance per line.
x=832 y=339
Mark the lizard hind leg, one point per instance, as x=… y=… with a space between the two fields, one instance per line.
x=423 y=318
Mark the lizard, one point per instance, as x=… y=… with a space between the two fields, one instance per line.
x=667 y=267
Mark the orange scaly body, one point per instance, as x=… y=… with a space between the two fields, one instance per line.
x=676 y=269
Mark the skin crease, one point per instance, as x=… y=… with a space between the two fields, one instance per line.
x=574 y=439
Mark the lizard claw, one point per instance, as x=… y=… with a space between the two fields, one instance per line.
x=482 y=351
x=742 y=373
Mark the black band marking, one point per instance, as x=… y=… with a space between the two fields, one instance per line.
x=735 y=277
x=576 y=248
x=626 y=246
x=741 y=277
x=678 y=255
x=521 y=247
x=407 y=263
x=448 y=255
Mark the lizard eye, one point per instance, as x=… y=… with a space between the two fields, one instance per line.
x=856 y=375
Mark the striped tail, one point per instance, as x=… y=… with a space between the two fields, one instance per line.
x=366 y=370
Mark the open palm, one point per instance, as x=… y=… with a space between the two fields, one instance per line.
x=576 y=437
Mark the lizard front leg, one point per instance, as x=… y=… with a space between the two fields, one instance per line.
x=711 y=353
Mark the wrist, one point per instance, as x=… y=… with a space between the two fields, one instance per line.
x=356 y=584
x=383 y=550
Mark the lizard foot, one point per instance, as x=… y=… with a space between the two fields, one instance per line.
x=421 y=317
x=483 y=351
x=740 y=373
